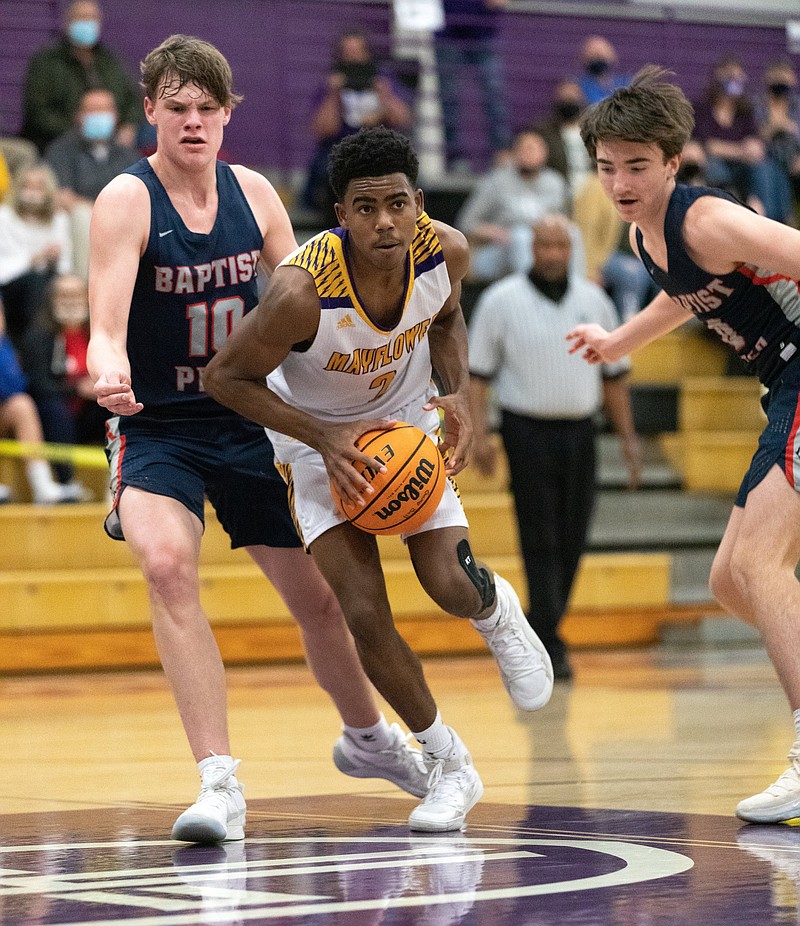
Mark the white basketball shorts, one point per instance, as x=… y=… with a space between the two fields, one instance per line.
x=313 y=506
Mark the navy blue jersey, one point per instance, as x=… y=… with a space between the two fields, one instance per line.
x=191 y=289
x=755 y=311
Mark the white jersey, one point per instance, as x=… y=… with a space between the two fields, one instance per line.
x=354 y=367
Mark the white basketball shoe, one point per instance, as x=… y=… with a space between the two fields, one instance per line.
x=398 y=763
x=524 y=663
x=780 y=801
x=454 y=788
x=219 y=812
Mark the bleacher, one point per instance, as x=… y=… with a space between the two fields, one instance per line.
x=72 y=598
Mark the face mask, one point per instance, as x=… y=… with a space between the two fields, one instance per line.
x=733 y=87
x=598 y=66
x=568 y=110
x=780 y=89
x=98 y=126
x=688 y=172
x=84 y=32
x=358 y=75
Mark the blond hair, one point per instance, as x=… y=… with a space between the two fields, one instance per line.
x=48 y=209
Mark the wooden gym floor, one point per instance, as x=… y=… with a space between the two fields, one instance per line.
x=612 y=805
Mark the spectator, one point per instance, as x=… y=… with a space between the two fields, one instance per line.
x=59 y=75
x=498 y=214
x=693 y=165
x=548 y=404
x=600 y=77
x=469 y=38
x=561 y=132
x=20 y=420
x=53 y=357
x=17 y=154
x=778 y=119
x=356 y=94
x=34 y=244
x=599 y=225
x=5 y=176
x=629 y=288
x=726 y=127
x=85 y=159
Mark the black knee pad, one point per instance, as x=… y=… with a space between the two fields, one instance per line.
x=479 y=576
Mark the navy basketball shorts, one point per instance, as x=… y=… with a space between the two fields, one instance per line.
x=779 y=444
x=228 y=460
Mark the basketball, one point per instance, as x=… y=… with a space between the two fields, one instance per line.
x=410 y=490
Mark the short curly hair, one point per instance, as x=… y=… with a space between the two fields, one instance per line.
x=371 y=152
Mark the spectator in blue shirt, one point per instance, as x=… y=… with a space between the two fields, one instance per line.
x=600 y=77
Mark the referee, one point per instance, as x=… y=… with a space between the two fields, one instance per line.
x=547 y=401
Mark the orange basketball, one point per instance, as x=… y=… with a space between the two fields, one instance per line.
x=410 y=490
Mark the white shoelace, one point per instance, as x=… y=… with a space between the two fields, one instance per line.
x=444 y=789
x=219 y=778
x=507 y=640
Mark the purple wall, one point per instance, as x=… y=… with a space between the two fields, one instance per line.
x=279 y=50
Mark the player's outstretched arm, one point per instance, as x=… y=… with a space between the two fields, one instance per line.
x=597 y=345
x=117 y=238
x=288 y=314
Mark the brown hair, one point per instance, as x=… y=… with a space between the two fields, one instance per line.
x=186 y=59
x=650 y=111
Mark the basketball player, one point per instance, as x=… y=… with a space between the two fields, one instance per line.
x=175 y=242
x=738 y=273
x=347 y=332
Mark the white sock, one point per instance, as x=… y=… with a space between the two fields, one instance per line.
x=372 y=739
x=436 y=740
x=486 y=623
x=796 y=719
x=40 y=479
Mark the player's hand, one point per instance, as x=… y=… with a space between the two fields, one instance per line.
x=348 y=467
x=456 y=446
x=592 y=340
x=113 y=391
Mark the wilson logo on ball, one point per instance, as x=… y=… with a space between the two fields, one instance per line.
x=410 y=490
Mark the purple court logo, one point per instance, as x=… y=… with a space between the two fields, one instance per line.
x=157 y=883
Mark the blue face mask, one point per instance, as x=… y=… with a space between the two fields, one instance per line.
x=84 y=32
x=98 y=126
x=734 y=87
